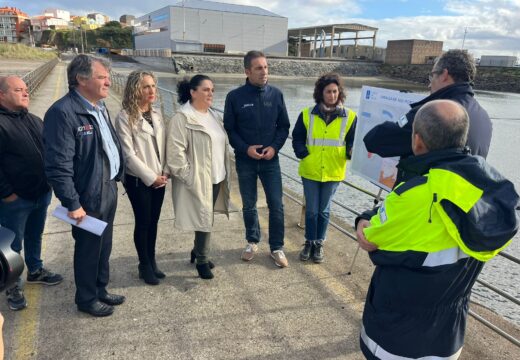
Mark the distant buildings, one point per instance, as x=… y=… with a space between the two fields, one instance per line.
x=401 y=52
x=98 y=18
x=501 y=61
x=14 y=24
x=127 y=20
x=198 y=26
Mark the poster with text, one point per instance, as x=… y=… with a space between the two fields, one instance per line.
x=378 y=105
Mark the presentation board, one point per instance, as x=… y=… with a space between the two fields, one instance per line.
x=378 y=105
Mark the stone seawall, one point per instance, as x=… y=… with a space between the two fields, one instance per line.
x=277 y=66
x=488 y=78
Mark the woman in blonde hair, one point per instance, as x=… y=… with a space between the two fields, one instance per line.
x=141 y=130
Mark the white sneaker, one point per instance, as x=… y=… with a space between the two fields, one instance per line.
x=250 y=251
x=279 y=258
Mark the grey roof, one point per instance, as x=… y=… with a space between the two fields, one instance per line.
x=217 y=6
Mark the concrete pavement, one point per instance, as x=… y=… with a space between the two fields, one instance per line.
x=249 y=311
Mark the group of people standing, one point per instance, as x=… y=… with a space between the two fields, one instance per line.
x=81 y=153
x=448 y=214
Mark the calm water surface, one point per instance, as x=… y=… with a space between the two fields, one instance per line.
x=503 y=108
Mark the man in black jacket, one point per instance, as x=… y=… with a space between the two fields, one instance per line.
x=83 y=160
x=451 y=79
x=24 y=191
x=257 y=124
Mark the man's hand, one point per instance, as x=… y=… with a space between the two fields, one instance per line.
x=161 y=181
x=362 y=240
x=268 y=153
x=251 y=152
x=78 y=215
x=10 y=198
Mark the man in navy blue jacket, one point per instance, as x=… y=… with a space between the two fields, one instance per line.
x=451 y=79
x=257 y=124
x=83 y=161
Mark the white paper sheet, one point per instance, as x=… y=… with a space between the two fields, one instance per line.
x=89 y=223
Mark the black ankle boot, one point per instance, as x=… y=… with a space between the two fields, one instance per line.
x=146 y=273
x=306 y=252
x=158 y=273
x=204 y=271
x=193 y=256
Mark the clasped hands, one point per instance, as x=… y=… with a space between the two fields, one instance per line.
x=266 y=154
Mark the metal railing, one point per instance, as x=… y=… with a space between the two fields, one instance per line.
x=34 y=78
x=168 y=105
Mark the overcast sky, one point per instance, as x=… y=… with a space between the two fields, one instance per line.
x=492 y=27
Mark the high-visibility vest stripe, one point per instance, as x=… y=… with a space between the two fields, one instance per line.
x=444 y=257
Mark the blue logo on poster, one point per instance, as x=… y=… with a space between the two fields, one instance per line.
x=367 y=96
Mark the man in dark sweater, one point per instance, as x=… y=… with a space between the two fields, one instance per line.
x=24 y=191
x=451 y=78
x=257 y=124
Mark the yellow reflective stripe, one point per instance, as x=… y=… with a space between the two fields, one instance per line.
x=381 y=353
x=325 y=142
x=444 y=257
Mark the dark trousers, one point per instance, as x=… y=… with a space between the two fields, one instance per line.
x=146 y=203
x=92 y=252
x=26 y=218
x=201 y=244
x=248 y=171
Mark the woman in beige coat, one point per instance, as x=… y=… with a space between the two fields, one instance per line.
x=197 y=158
x=141 y=130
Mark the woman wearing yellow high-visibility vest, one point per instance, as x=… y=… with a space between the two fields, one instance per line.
x=322 y=138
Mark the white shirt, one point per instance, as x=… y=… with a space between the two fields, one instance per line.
x=218 y=144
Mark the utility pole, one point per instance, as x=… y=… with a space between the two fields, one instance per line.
x=464 y=37
x=183 y=21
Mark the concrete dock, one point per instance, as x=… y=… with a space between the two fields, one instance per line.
x=248 y=311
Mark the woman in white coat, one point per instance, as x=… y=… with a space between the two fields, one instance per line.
x=197 y=158
x=142 y=133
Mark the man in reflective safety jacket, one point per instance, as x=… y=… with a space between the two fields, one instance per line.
x=430 y=239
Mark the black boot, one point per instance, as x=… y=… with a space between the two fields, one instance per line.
x=193 y=256
x=146 y=273
x=158 y=273
x=317 y=252
x=204 y=271
x=305 y=254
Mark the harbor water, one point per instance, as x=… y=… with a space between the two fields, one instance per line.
x=504 y=155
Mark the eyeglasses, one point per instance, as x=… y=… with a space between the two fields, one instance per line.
x=435 y=72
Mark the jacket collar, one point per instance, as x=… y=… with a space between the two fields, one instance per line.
x=421 y=164
x=255 y=88
x=341 y=112
x=19 y=113
x=448 y=92
x=188 y=112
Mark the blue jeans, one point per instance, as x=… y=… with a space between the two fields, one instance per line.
x=26 y=218
x=248 y=171
x=317 y=207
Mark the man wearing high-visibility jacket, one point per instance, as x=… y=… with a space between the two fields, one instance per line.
x=430 y=239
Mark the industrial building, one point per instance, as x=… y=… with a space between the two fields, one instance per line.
x=329 y=40
x=495 y=60
x=206 y=26
x=413 y=51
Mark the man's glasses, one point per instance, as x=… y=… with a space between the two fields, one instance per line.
x=435 y=72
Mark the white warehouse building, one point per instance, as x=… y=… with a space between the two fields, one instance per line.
x=198 y=26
